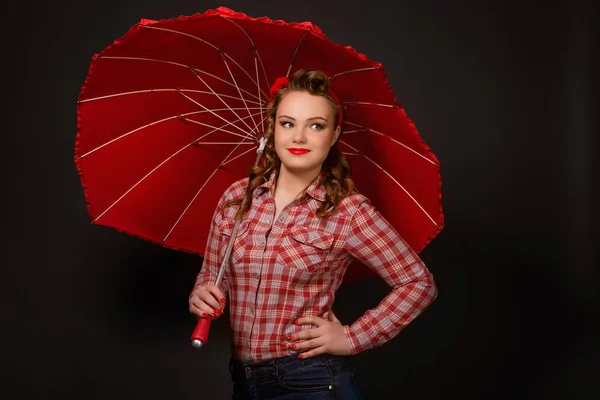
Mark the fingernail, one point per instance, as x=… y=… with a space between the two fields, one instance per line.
x=292 y=346
x=204 y=314
x=223 y=300
x=290 y=337
x=295 y=322
x=215 y=314
x=220 y=309
x=300 y=356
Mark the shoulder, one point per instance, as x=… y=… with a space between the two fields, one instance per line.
x=235 y=191
x=353 y=203
x=363 y=214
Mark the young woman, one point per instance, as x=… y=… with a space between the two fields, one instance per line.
x=302 y=223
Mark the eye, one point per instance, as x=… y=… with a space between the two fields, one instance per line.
x=286 y=124
x=317 y=126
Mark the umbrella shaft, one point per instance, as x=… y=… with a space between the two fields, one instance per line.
x=225 y=261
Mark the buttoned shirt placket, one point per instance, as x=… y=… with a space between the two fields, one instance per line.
x=266 y=241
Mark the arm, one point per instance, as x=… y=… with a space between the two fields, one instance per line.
x=212 y=261
x=373 y=241
x=206 y=299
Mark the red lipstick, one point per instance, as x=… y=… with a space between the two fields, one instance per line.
x=298 y=151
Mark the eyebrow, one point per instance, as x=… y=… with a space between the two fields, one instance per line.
x=309 y=119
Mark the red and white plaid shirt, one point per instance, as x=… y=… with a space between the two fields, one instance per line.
x=289 y=268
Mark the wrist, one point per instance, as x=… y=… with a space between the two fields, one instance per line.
x=350 y=339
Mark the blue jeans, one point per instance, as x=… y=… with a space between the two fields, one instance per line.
x=320 y=377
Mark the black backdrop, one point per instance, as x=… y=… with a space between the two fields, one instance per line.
x=501 y=91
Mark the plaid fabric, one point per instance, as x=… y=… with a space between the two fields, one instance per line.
x=285 y=269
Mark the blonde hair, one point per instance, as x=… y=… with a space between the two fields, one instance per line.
x=336 y=169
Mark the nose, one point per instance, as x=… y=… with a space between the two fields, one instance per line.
x=299 y=135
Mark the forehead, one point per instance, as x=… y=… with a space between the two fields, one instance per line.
x=305 y=105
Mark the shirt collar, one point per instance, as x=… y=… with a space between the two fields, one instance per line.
x=316 y=190
x=267 y=186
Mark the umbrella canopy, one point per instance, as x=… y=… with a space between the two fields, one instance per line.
x=171 y=114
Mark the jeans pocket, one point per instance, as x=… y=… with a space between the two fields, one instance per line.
x=310 y=378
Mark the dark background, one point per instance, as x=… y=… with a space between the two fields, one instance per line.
x=501 y=91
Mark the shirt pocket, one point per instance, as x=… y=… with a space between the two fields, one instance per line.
x=226 y=228
x=305 y=248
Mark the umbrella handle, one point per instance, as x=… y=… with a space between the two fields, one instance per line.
x=200 y=334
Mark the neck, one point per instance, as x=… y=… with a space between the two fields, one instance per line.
x=294 y=183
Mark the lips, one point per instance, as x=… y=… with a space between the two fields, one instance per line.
x=298 y=151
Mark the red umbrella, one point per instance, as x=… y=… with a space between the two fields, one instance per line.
x=172 y=113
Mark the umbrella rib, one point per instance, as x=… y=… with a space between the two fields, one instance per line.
x=365 y=103
x=364 y=129
x=220 y=117
x=256 y=54
x=257 y=59
x=199 y=143
x=159 y=90
x=175 y=64
x=238 y=156
x=222 y=101
x=238 y=88
x=351 y=71
x=193 y=143
x=198 y=192
x=125 y=135
x=147 y=126
x=295 y=53
x=262 y=125
x=392 y=178
x=208 y=43
x=246 y=136
x=220 y=128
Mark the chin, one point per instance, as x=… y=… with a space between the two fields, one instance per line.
x=301 y=168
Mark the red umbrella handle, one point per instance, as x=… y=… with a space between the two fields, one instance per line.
x=200 y=334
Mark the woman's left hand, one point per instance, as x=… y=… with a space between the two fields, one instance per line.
x=328 y=337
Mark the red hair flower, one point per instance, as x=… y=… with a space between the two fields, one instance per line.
x=279 y=84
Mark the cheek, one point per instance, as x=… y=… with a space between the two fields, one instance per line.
x=276 y=136
x=327 y=142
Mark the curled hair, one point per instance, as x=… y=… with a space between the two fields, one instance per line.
x=336 y=169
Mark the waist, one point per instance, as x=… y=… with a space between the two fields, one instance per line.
x=257 y=339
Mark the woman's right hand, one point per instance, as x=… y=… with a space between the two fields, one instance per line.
x=207 y=301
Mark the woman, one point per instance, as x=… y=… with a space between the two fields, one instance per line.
x=302 y=223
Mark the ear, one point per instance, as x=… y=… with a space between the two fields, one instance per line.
x=336 y=135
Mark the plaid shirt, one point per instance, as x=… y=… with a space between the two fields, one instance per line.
x=289 y=268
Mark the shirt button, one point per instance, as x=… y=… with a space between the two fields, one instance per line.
x=248 y=369
x=268 y=221
x=251 y=311
x=281 y=218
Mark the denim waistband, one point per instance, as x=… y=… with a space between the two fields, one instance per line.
x=335 y=363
